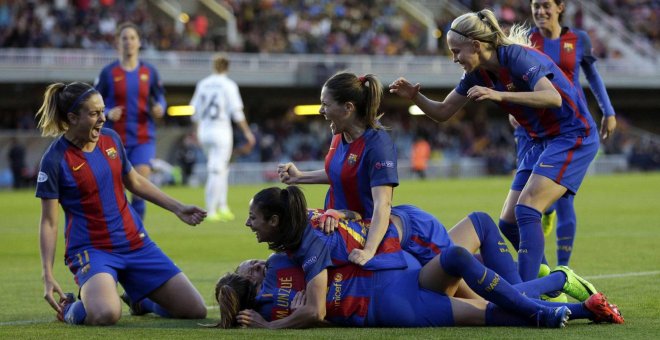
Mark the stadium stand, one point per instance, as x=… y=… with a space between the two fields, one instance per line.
x=282 y=52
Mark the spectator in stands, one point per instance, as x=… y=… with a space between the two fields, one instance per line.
x=134 y=98
x=16 y=157
x=419 y=155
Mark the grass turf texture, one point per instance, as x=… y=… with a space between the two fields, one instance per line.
x=618 y=233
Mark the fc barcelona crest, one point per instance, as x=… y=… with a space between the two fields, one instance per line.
x=144 y=77
x=352 y=159
x=568 y=47
x=112 y=152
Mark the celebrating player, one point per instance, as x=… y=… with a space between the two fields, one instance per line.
x=527 y=84
x=86 y=170
x=361 y=164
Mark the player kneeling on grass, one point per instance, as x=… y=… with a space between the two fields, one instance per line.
x=86 y=170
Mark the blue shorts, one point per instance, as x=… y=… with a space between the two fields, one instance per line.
x=398 y=301
x=140 y=272
x=141 y=154
x=424 y=236
x=528 y=152
x=563 y=159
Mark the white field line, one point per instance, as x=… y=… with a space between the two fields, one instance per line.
x=593 y=277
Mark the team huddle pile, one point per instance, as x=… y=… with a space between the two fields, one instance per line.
x=359 y=261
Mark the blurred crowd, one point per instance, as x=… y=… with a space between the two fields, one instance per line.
x=375 y=27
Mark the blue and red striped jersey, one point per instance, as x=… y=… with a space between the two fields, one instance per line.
x=136 y=91
x=319 y=251
x=572 y=51
x=521 y=68
x=348 y=295
x=354 y=168
x=90 y=189
x=284 y=278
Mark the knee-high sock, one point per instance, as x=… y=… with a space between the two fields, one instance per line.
x=496 y=316
x=566 y=227
x=578 y=310
x=149 y=306
x=532 y=242
x=139 y=205
x=511 y=232
x=494 y=251
x=457 y=261
x=75 y=313
x=223 y=187
x=547 y=284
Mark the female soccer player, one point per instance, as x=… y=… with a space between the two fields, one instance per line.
x=570 y=49
x=86 y=170
x=527 y=84
x=280 y=218
x=261 y=294
x=361 y=164
x=134 y=94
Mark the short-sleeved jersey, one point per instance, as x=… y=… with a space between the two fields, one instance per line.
x=90 y=190
x=217 y=102
x=521 y=68
x=136 y=91
x=572 y=51
x=354 y=168
x=284 y=278
x=319 y=251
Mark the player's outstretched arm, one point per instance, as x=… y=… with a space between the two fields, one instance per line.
x=438 y=111
x=47 y=245
x=139 y=185
x=289 y=174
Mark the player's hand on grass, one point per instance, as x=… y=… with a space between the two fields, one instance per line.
x=191 y=215
x=360 y=256
x=248 y=318
x=288 y=173
x=50 y=288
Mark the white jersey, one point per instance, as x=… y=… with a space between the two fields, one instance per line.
x=216 y=101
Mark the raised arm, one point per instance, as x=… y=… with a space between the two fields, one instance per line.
x=289 y=174
x=139 y=185
x=47 y=246
x=438 y=111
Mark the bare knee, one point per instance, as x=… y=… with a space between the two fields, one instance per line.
x=102 y=317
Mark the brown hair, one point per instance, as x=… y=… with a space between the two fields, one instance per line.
x=365 y=92
x=220 y=62
x=125 y=25
x=291 y=207
x=233 y=293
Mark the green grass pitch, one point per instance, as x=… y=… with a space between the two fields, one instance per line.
x=616 y=247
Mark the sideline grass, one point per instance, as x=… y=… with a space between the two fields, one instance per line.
x=618 y=233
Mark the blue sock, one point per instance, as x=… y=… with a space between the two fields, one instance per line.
x=532 y=242
x=139 y=206
x=493 y=249
x=511 y=232
x=578 y=310
x=457 y=261
x=547 y=284
x=566 y=227
x=149 y=306
x=496 y=316
x=75 y=313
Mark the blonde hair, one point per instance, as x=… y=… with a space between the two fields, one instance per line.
x=220 y=62
x=483 y=26
x=60 y=99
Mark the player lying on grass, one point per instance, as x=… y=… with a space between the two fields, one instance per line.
x=280 y=218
